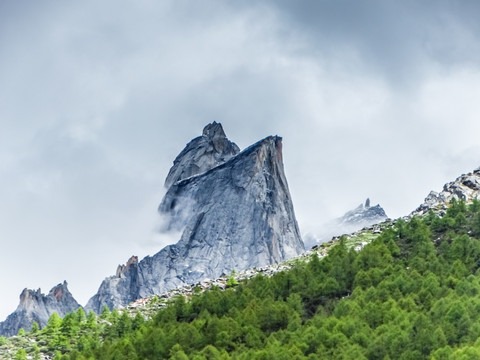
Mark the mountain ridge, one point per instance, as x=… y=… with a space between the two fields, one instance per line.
x=37 y=307
x=466 y=187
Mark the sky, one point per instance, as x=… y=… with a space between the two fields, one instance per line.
x=374 y=99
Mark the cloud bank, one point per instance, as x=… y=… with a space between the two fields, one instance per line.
x=374 y=99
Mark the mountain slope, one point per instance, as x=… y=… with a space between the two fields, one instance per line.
x=411 y=293
x=466 y=187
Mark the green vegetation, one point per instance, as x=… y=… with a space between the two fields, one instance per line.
x=413 y=292
x=231 y=280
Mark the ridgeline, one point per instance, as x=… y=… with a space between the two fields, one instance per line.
x=411 y=292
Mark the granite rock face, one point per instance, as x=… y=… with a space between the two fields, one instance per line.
x=233 y=216
x=202 y=153
x=35 y=306
x=364 y=215
x=465 y=187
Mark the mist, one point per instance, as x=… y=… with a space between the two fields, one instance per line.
x=375 y=99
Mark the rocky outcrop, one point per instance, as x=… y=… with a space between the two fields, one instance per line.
x=233 y=216
x=202 y=153
x=465 y=187
x=364 y=215
x=35 y=306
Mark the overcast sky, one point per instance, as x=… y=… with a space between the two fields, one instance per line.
x=376 y=99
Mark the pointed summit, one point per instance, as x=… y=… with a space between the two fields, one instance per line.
x=202 y=153
x=214 y=131
x=363 y=215
x=35 y=306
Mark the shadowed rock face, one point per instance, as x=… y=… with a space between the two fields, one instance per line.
x=35 y=306
x=234 y=216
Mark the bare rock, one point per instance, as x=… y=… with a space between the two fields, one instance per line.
x=202 y=153
x=363 y=216
x=35 y=306
x=466 y=187
x=234 y=216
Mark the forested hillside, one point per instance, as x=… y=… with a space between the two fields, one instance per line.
x=412 y=293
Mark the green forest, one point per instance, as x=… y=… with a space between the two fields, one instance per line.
x=411 y=293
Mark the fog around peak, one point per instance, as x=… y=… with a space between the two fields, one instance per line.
x=373 y=99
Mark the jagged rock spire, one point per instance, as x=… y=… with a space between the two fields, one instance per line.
x=202 y=153
x=362 y=216
x=35 y=306
x=233 y=215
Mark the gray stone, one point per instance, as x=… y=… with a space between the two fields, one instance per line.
x=362 y=217
x=466 y=187
x=233 y=216
x=202 y=153
x=35 y=306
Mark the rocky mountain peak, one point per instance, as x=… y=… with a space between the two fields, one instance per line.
x=465 y=187
x=28 y=297
x=35 y=306
x=363 y=215
x=202 y=153
x=131 y=263
x=233 y=214
x=214 y=131
x=59 y=291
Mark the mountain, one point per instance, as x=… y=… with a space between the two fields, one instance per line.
x=232 y=215
x=363 y=215
x=465 y=187
x=35 y=306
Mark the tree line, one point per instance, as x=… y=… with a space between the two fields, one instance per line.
x=412 y=293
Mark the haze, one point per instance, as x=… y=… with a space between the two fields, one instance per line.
x=374 y=99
